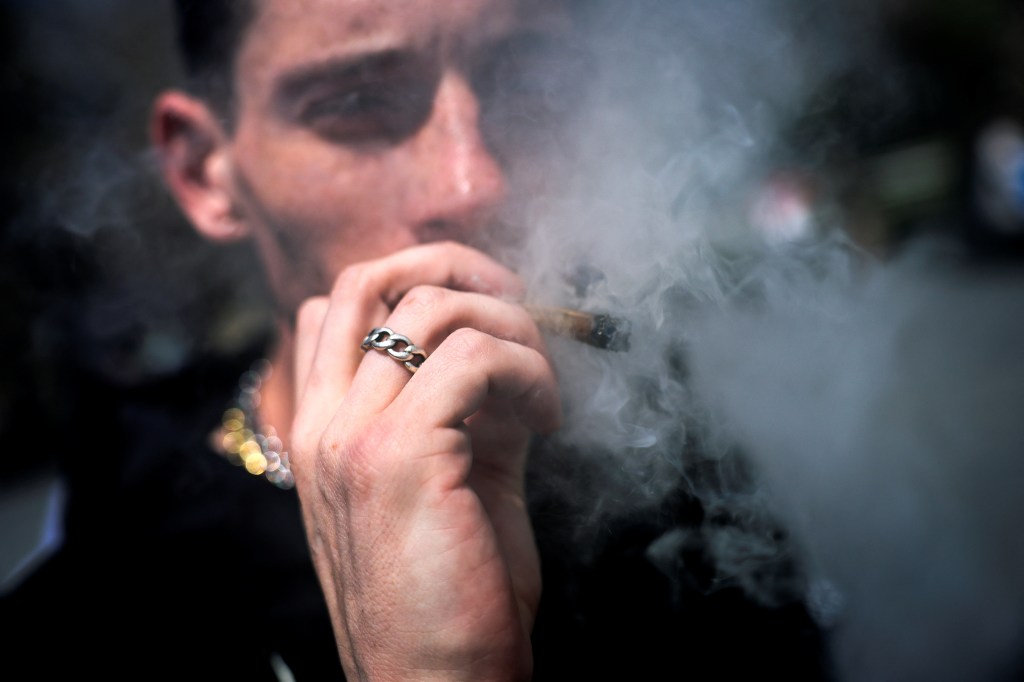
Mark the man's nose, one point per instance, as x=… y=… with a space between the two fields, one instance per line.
x=460 y=184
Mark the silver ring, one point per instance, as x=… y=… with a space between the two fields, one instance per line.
x=398 y=347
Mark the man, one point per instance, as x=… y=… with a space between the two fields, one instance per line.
x=363 y=146
x=354 y=157
x=361 y=143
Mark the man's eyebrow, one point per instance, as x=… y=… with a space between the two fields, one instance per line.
x=361 y=68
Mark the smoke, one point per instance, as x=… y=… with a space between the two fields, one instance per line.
x=867 y=406
x=883 y=415
x=647 y=216
x=650 y=213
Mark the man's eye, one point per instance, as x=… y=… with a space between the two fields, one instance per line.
x=368 y=113
x=346 y=104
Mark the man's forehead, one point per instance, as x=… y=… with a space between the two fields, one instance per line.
x=309 y=29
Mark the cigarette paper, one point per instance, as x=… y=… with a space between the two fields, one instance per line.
x=599 y=330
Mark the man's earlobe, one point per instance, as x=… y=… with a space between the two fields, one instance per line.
x=195 y=163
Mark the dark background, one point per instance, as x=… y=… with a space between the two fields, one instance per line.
x=93 y=250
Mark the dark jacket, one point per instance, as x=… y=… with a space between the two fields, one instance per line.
x=179 y=565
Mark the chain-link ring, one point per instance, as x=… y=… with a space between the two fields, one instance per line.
x=398 y=347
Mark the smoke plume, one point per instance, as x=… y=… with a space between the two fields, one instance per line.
x=867 y=404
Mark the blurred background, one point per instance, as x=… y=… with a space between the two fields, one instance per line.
x=925 y=142
x=92 y=247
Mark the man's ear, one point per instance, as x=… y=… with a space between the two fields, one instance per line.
x=195 y=162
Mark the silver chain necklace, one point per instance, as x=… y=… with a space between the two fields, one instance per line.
x=243 y=441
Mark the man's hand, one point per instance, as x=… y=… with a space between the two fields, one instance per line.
x=412 y=484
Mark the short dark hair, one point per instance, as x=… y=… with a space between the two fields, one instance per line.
x=209 y=34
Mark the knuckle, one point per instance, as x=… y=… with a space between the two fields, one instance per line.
x=466 y=343
x=422 y=301
x=335 y=460
x=356 y=457
x=357 y=279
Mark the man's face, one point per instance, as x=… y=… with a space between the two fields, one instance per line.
x=367 y=126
